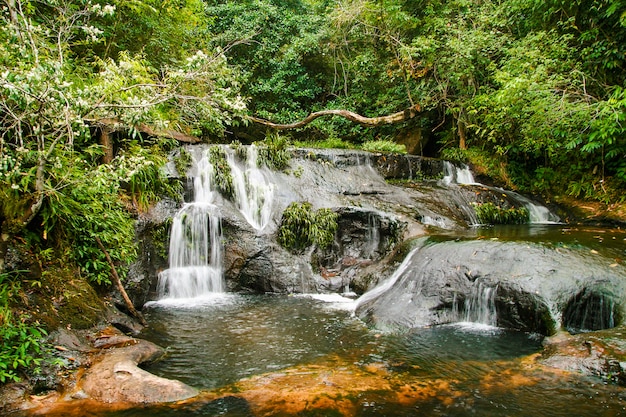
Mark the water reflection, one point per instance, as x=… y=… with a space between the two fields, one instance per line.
x=294 y=356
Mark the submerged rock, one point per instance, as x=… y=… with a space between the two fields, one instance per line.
x=601 y=354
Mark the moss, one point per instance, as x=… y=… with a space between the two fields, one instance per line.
x=160 y=237
x=60 y=298
x=183 y=162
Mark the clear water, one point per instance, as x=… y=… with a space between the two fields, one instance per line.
x=234 y=347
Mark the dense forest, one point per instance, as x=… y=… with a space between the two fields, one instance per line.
x=94 y=94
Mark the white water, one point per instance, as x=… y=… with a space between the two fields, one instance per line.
x=389 y=282
x=538 y=214
x=456 y=175
x=195 y=251
x=254 y=192
x=480 y=306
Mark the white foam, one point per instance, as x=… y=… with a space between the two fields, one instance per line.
x=335 y=301
x=203 y=300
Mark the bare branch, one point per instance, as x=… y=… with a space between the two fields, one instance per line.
x=399 y=117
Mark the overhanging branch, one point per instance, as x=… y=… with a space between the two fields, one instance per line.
x=399 y=117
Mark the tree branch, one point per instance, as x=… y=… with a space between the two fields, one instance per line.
x=399 y=117
x=118 y=283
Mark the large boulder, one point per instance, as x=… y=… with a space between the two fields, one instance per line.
x=115 y=376
x=531 y=287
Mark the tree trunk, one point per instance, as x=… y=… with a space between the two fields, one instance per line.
x=462 y=134
x=106 y=141
x=399 y=117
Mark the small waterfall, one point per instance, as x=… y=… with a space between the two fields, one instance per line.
x=254 y=193
x=452 y=174
x=538 y=214
x=589 y=310
x=373 y=235
x=381 y=288
x=480 y=305
x=195 y=251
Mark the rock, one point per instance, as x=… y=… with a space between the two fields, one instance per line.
x=115 y=376
x=531 y=285
x=600 y=354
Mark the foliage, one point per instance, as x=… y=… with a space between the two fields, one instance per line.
x=56 y=92
x=489 y=213
x=21 y=342
x=222 y=174
x=183 y=161
x=274 y=152
x=329 y=143
x=276 y=45
x=383 y=145
x=302 y=227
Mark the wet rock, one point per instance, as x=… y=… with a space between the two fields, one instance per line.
x=533 y=284
x=601 y=354
x=116 y=377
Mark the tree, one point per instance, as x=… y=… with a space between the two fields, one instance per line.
x=50 y=158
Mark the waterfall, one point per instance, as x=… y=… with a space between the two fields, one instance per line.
x=538 y=214
x=254 y=193
x=455 y=175
x=480 y=306
x=373 y=235
x=195 y=251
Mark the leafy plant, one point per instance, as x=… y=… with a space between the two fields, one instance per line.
x=489 y=213
x=302 y=227
x=383 y=145
x=329 y=143
x=21 y=342
x=221 y=171
x=274 y=152
x=183 y=161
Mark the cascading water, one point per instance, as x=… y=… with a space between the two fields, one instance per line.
x=480 y=305
x=455 y=175
x=373 y=235
x=538 y=214
x=254 y=193
x=195 y=251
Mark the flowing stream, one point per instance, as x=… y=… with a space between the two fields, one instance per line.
x=285 y=355
x=250 y=346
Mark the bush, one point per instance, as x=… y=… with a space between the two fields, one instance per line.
x=222 y=175
x=274 y=152
x=21 y=342
x=489 y=213
x=302 y=227
x=383 y=145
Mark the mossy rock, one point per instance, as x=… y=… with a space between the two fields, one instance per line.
x=64 y=300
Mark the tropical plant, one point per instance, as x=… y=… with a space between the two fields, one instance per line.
x=301 y=227
x=489 y=213
x=21 y=341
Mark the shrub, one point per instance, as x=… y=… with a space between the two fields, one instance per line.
x=222 y=174
x=20 y=341
x=302 y=227
x=383 y=145
x=274 y=152
x=489 y=213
